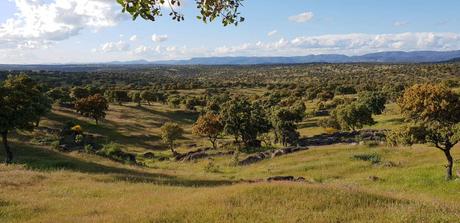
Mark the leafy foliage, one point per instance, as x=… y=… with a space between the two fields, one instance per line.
x=227 y=10
x=94 y=107
x=135 y=97
x=244 y=120
x=21 y=104
x=375 y=101
x=170 y=132
x=284 y=122
x=352 y=116
x=436 y=110
x=209 y=125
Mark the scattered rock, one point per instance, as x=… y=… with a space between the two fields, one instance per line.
x=199 y=154
x=286 y=178
x=344 y=137
x=194 y=156
x=281 y=178
x=390 y=164
x=300 y=179
x=162 y=159
x=149 y=155
x=270 y=154
x=373 y=178
x=277 y=153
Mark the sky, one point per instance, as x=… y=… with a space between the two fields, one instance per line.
x=92 y=31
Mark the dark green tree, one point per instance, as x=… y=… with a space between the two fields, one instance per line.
x=284 y=121
x=117 y=96
x=243 y=120
x=77 y=93
x=21 y=104
x=353 y=116
x=135 y=97
x=148 y=96
x=94 y=107
x=375 y=101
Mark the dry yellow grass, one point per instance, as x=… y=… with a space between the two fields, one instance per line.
x=49 y=186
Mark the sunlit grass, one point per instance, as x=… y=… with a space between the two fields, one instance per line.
x=406 y=185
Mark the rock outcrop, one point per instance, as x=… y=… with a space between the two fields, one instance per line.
x=270 y=154
x=199 y=154
x=344 y=137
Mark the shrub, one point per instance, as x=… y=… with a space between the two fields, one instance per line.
x=114 y=151
x=211 y=167
x=374 y=158
x=79 y=139
x=55 y=144
x=88 y=148
x=405 y=135
x=235 y=158
x=111 y=150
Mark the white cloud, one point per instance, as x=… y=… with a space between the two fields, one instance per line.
x=38 y=20
x=302 y=17
x=133 y=38
x=140 y=50
x=400 y=23
x=271 y=33
x=350 y=44
x=159 y=38
x=114 y=46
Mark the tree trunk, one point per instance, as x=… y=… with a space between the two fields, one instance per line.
x=37 y=123
x=97 y=121
x=8 y=153
x=276 y=137
x=214 y=142
x=171 y=146
x=449 y=165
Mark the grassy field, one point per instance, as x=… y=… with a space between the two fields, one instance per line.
x=396 y=185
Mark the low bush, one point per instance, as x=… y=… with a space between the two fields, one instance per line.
x=114 y=151
x=374 y=158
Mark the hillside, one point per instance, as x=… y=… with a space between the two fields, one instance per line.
x=405 y=185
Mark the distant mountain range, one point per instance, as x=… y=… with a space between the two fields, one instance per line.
x=381 y=57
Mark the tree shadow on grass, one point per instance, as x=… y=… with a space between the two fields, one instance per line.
x=41 y=159
x=393 y=121
x=108 y=130
x=185 y=117
x=308 y=124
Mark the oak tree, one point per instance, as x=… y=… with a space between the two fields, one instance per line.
x=170 y=132
x=435 y=109
x=353 y=116
x=209 y=125
x=21 y=104
x=94 y=107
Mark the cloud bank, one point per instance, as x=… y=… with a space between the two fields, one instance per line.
x=39 y=22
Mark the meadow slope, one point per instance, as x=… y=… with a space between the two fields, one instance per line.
x=405 y=185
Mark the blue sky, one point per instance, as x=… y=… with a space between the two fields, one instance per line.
x=79 y=31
